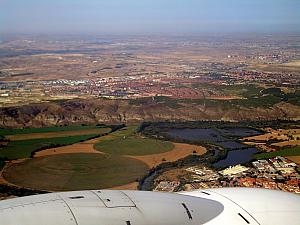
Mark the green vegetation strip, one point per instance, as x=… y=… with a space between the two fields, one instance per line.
x=252 y=96
x=293 y=151
x=2 y=162
x=75 y=172
x=24 y=148
x=126 y=142
x=8 y=131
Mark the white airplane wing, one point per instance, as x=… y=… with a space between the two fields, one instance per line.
x=107 y=207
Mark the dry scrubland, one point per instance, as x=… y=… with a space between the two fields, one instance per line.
x=293 y=66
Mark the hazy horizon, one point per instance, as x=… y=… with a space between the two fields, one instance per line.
x=119 y=17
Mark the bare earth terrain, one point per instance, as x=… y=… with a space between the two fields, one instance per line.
x=83 y=147
x=287 y=143
x=280 y=137
x=131 y=186
x=293 y=66
x=180 y=151
x=76 y=148
x=295 y=159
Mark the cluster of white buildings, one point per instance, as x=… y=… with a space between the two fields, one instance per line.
x=277 y=164
x=233 y=170
x=167 y=186
x=203 y=174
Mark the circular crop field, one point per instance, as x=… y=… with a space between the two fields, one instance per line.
x=134 y=146
x=75 y=172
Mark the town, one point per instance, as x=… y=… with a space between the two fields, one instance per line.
x=276 y=173
x=178 y=86
x=180 y=68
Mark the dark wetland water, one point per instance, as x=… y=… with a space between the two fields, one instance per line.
x=226 y=138
x=236 y=157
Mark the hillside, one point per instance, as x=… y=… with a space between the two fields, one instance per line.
x=93 y=111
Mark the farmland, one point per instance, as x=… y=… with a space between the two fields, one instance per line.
x=24 y=148
x=8 y=131
x=70 y=133
x=103 y=159
x=127 y=142
x=75 y=172
x=22 y=143
x=179 y=151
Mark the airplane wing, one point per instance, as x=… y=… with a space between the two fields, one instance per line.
x=110 y=207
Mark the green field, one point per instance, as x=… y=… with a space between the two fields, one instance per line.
x=8 y=131
x=24 y=148
x=242 y=90
x=127 y=142
x=75 y=172
x=293 y=151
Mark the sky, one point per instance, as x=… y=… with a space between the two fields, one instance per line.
x=148 y=16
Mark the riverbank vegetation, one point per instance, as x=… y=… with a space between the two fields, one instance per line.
x=288 y=151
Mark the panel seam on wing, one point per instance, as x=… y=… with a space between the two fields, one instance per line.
x=236 y=204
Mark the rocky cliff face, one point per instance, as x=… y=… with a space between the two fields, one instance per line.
x=94 y=111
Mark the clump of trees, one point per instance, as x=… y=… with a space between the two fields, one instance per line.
x=17 y=191
x=2 y=162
